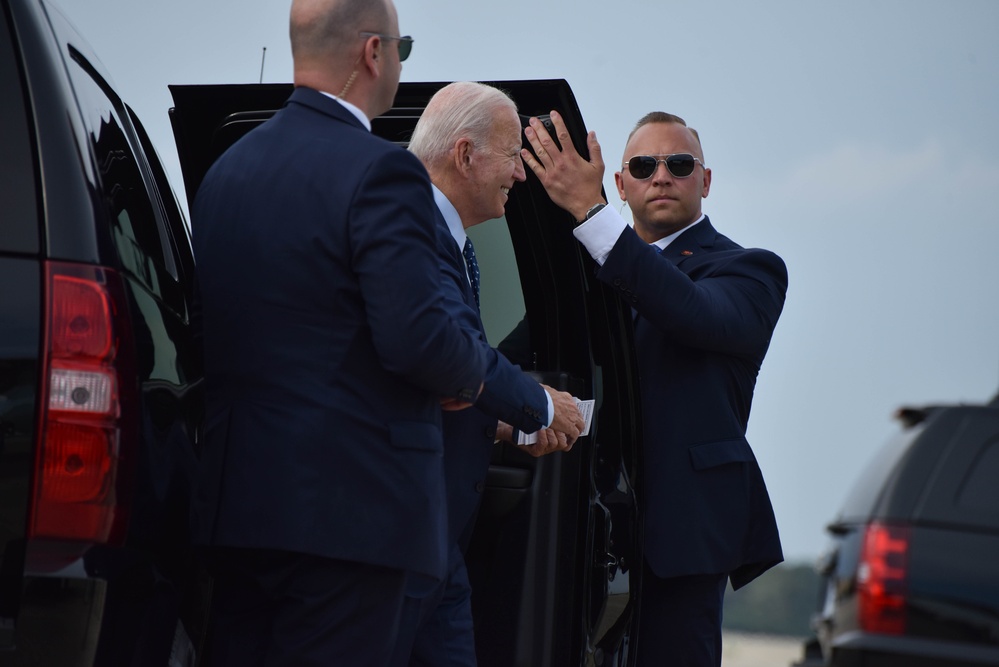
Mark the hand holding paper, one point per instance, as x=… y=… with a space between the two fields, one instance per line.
x=567 y=417
x=585 y=410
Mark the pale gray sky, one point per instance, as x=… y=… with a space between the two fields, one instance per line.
x=858 y=139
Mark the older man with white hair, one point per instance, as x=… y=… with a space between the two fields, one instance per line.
x=469 y=139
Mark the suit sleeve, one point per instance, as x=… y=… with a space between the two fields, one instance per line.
x=393 y=238
x=509 y=394
x=730 y=304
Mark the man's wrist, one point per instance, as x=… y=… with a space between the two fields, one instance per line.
x=590 y=212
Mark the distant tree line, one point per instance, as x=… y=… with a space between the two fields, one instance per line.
x=780 y=602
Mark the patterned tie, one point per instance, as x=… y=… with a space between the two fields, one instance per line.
x=473 y=268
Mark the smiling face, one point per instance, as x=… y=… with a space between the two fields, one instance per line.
x=494 y=168
x=663 y=204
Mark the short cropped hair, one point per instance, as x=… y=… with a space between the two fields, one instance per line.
x=321 y=27
x=461 y=109
x=663 y=117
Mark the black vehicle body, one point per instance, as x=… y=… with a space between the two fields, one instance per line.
x=912 y=574
x=100 y=376
x=556 y=538
x=101 y=387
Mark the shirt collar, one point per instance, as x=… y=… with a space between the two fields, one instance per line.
x=666 y=240
x=451 y=216
x=351 y=108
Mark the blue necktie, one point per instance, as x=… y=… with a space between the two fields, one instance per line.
x=473 y=268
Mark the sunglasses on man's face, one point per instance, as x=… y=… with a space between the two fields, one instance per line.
x=680 y=165
x=405 y=43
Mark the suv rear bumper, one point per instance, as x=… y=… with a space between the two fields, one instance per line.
x=860 y=649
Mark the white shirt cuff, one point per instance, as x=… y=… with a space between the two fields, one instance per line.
x=599 y=234
x=551 y=408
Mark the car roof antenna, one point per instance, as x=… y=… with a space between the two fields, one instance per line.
x=262 y=57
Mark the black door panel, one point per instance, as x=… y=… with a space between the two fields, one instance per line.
x=556 y=537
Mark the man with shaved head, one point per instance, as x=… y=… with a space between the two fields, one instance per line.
x=328 y=53
x=705 y=311
x=328 y=356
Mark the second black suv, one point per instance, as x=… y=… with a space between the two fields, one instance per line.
x=912 y=575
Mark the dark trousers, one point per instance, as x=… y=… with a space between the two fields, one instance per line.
x=281 y=609
x=436 y=628
x=680 y=620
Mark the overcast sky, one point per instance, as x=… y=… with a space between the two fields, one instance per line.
x=858 y=139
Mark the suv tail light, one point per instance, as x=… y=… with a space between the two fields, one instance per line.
x=881 y=579
x=87 y=419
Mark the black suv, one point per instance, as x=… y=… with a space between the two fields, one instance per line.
x=912 y=575
x=100 y=374
x=101 y=392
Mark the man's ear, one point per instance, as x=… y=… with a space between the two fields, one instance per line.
x=372 y=51
x=619 y=182
x=463 y=155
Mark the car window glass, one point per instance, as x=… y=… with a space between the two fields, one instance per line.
x=864 y=495
x=17 y=185
x=142 y=244
x=176 y=225
x=980 y=490
x=501 y=296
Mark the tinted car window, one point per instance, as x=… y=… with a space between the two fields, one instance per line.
x=17 y=186
x=980 y=490
x=174 y=222
x=868 y=487
x=142 y=244
x=502 y=299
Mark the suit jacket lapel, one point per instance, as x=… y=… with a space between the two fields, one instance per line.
x=695 y=241
x=457 y=259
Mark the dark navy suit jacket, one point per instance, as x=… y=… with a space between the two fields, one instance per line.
x=509 y=395
x=706 y=311
x=327 y=345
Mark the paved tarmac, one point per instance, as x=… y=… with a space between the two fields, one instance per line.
x=751 y=650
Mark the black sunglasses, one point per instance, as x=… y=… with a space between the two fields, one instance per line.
x=680 y=165
x=405 y=43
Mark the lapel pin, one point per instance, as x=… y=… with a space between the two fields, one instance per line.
x=686 y=253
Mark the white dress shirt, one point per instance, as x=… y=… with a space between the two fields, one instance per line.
x=351 y=108
x=457 y=230
x=599 y=234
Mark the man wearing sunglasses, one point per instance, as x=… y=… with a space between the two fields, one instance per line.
x=705 y=309
x=328 y=355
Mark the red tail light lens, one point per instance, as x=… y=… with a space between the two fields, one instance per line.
x=77 y=492
x=881 y=579
x=81 y=319
x=76 y=464
x=83 y=424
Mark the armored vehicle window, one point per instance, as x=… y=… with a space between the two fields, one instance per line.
x=143 y=245
x=980 y=490
x=18 y=207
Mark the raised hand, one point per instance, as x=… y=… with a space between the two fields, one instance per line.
x=571 y=181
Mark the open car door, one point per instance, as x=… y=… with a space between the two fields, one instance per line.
x=555 y=557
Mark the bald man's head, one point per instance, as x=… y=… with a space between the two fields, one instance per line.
x=327 y=31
